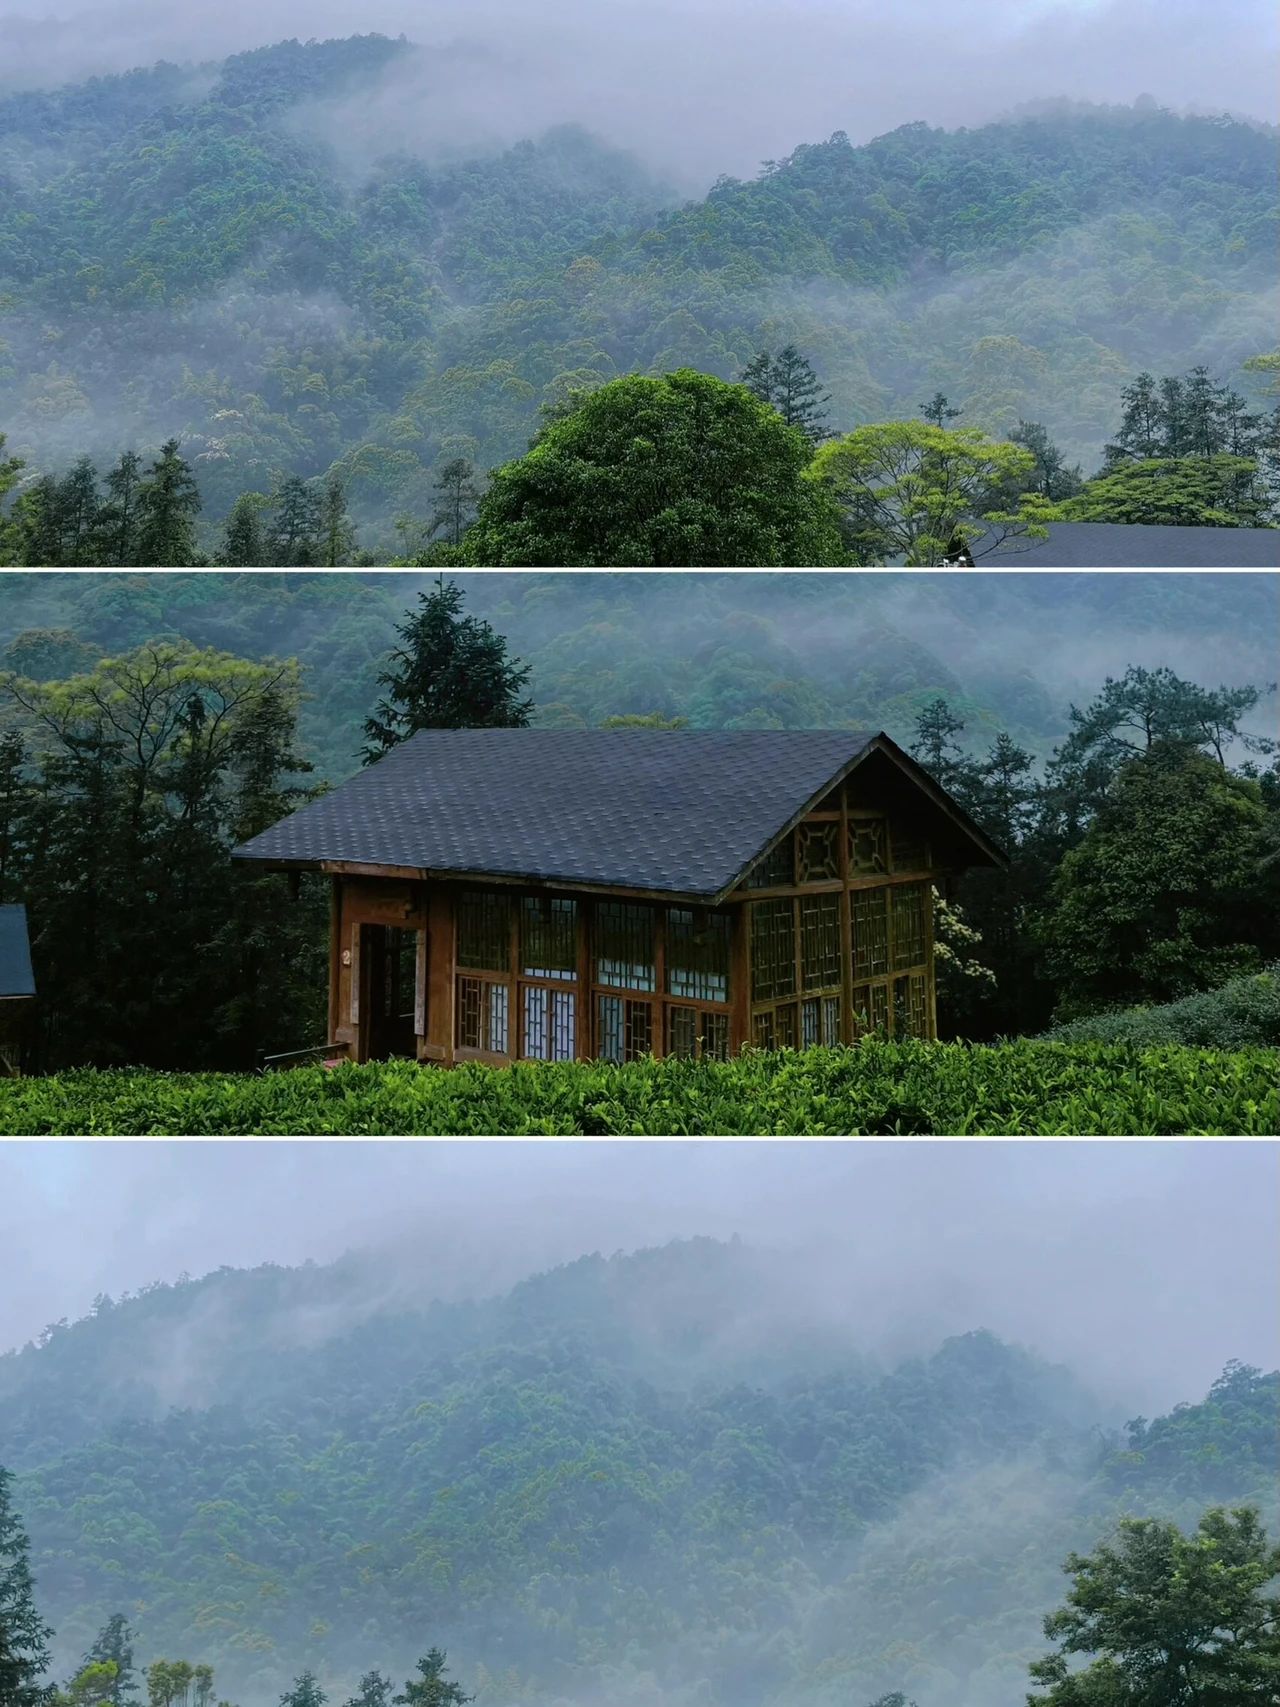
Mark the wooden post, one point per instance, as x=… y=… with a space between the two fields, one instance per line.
x=437 y=1044
x=740 y=978
x=335 y=956
x=847 y=1027
x=584 y=1041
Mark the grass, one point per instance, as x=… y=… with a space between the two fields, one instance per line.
x=1021 y=1088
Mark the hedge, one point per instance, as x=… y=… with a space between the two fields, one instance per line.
x=878 y=1088
x=1238 y=1015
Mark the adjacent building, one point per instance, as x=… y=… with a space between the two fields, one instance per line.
x=17 y=989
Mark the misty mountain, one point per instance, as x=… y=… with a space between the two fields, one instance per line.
x=669 y=1476
x=1008 y=651
x=287 y=260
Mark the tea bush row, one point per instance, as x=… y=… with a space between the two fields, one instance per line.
x=877 y=1088
x=1241 y=1014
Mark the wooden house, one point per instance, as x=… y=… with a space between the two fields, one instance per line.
x=528 y=894
x=17 y=989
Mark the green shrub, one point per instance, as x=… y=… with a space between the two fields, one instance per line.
x=1243 y=1014
x=877 y=1088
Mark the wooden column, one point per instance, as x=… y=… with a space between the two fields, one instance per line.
x=437 y=1044
x=847 y=1027
x=740 y=978
x=335 y=957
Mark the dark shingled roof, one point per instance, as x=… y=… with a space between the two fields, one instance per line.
x=16 y=976
x=676 y=812
x=1134 y=545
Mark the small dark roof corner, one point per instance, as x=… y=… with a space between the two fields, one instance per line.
x=16 y=976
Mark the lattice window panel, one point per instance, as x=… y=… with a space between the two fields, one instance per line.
x=820 y=1021
x=624 y=937
x=484 y=931
x=908 y=925
x=870 y=910
x=690 y=1033
x=870 y=1009
x=818 y=853
x=910 y=853
x=775 y=1028
x=549 y=1023
x=911 y=1005
x=698 y=955
x=868 y=847
x=549 y=937
x=820 y=942
x=773 y=950
x=483 y=1016
x=776 y=870
x=625 y=1029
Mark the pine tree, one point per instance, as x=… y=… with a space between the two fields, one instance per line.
x=78 y=509
x=458 y=496
x=24 y=1636
x=789 y=384
x=938 y=751
x=374 y=1691
x=243 y=545
x=1142 y=433
x=291 y=538
x=168 y=503
x=16 y=815
x=118 y=517
x=1051 y=477
x=431 y=1688
x=451 y=672
x=938 y=410
x=37 y=519
x=337 y=535
x=306 y=1692
x=114 y=1646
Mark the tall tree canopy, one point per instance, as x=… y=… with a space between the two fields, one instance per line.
x=451 y=671
x=678 y=471
x=24 y=1636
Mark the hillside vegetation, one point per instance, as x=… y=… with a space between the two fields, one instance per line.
x=192 y=253
x=663 y=1477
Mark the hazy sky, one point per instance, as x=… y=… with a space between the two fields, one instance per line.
x=1144 y=1266
x=701 y=86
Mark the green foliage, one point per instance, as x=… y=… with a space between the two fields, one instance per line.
x=24 y=1637
x=676 y=471
x=1165 y=893
x=1243 y=1013
x=1215 y=491
x=431 y=1688
x=917 y=493
x=122 y=795
x=1173 y=1618
x=876 y=1088
x=787 y=383
x=450 y=672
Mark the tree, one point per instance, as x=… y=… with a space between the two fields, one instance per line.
x=450 y=672
x=337 y=536
x=113 y=1646
x=374 y=1691
x=644 y=720
x=306 y=1692
x=118 y=516
x=938 y=410
x=787 y=383
x=243 y=542
x=940 y=753
x=1165 y=894
x=677 y=471
x=1175 y=1620
x=168 y=503
x=1050 y=476
x=431 y=1688
x=1189 y=491
x=24 y=1636
x=915 y=493
x=457 y=497
x=78 y=512
x=291 y=538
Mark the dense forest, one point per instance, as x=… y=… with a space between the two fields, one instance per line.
x=195 y=255
x=140 y=746
x=670 y=1476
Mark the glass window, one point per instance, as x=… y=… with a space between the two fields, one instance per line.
x=908 y=926
x=484 y=931
x=549 y=937
x=870 y=932
x=776 y=870
x=624 y=945
x=698 y=954
x=773 y=950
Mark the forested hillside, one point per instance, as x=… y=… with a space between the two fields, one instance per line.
x=209 y=253
x=668 y=1477
x=794 y=651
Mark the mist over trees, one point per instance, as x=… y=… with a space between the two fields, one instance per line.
x=722 y=1497
x=292 y=314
